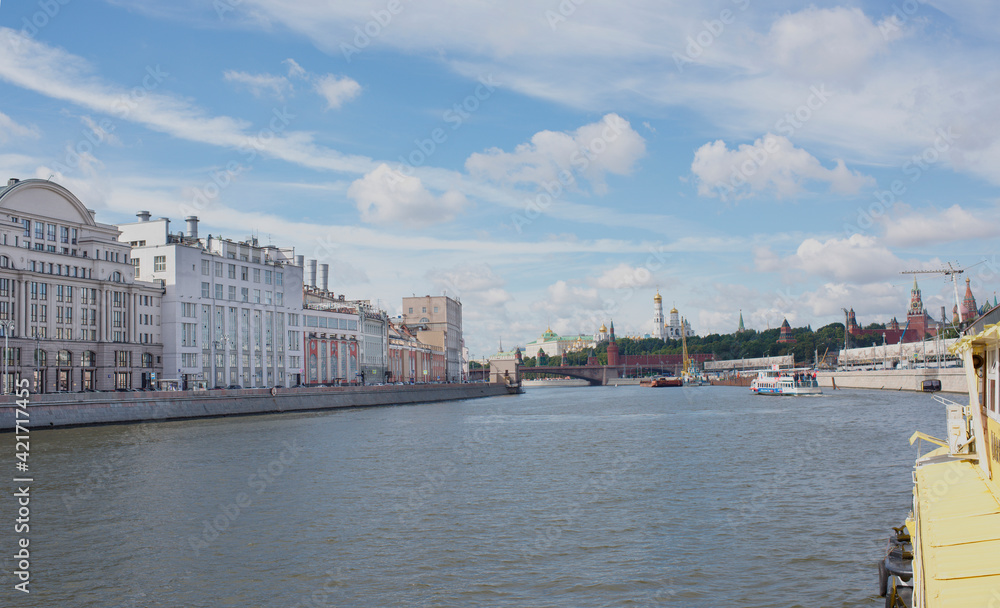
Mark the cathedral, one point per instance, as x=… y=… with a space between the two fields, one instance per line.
x=671 y=330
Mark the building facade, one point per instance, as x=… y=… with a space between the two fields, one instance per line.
x=231 y=311
x=552 y=344
x=437 y=321
x=75 y=317
x=346 y=340
x=658 y=324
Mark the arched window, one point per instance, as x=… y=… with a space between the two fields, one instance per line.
x=41 y=358
x=116 y=277
x=64 y=358
x=147 y=360
x=87 y=358
x=5 y=262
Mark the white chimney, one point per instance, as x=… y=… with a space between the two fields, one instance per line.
x=192 y=223
x=143 y=216
x=312 y=273
x=324 y=276
x=300 y=261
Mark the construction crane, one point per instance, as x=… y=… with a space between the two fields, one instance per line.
x=685 y=362
x=953 y=272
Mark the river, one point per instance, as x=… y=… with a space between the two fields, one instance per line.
x=576 y=497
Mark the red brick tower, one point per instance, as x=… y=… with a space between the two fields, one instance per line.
x=612 y=347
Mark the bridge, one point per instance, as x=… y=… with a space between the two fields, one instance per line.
x=597 y=375
x=504 y=370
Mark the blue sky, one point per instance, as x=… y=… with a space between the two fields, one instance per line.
x=551 y=163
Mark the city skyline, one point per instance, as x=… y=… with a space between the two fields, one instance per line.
x=551 y=165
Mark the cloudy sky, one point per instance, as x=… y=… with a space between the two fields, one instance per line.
x=549 y=162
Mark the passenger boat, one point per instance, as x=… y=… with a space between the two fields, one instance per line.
x=792 y=382
x=949 y=552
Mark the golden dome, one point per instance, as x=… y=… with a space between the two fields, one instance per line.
x=604 y=329
x=673 y=311
x=658 y=298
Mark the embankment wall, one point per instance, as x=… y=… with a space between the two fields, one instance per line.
x=952 y=379
x=76 y=409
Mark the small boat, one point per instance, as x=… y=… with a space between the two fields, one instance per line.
x=931 y=386
x=792 y=382
x=661 y=381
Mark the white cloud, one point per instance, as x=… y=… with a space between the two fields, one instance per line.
x=905 y=227
x=873 y=303
x=555 y=159
x=260 y=84
x=771 y=165
x=104 y=131
x=827 y=44
x=10 y=130
x=388 y=196
x=60 y=75
x=859 y=258
x=337 y=90
x=624 y=276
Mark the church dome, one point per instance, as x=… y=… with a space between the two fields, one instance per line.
x=603 y=329
x=673 y=311
x=658 y=298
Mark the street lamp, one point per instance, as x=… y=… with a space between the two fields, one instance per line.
x=8 y=326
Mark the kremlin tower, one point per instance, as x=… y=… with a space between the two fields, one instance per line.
x=969 y=309
x=786 y=333
x=612 y=347
x=741 y=329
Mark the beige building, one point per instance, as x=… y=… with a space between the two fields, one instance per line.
x=437 y=321
x=67 y=289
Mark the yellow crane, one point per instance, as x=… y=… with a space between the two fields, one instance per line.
x=685 y=361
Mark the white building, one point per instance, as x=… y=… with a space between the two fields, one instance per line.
x=674 y=328
x=67 y=289
x=231 y=310
x=437 y=321
x=658 y=326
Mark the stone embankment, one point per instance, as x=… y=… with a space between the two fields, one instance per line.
x=78 y=409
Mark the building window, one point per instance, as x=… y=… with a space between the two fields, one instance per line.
x=256 y=275
x=435 y=309
x=87 y=358
x=280 y=298
x=424 y=309
x=27 y=228
x=64 y=234
x=205 y=265
x=64 y=358
x=123 y=358
x=232 y=271
x=232 y=293
x=256 y=296
x=40 y=230
x=218 y=291
x=218 y=269
x=188 y=309
x=244 y=273
x=159 y=263
x=206 y=290
x=189 y=334
x=244 y=294
x=52 y=232
x=279 y=279
x=267 y=277
x=147 y=360
x=189 y=359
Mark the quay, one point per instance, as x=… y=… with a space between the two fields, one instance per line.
x=82 y=409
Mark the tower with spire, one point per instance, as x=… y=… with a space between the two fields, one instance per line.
x=741 y=329
x=969 y=309
x=658 y=331
x=612 y=347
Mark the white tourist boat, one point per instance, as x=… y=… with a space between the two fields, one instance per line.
x=793 y=382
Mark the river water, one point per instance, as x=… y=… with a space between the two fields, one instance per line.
x=577 y=497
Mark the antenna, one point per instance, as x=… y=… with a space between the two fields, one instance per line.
x=953 y=272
